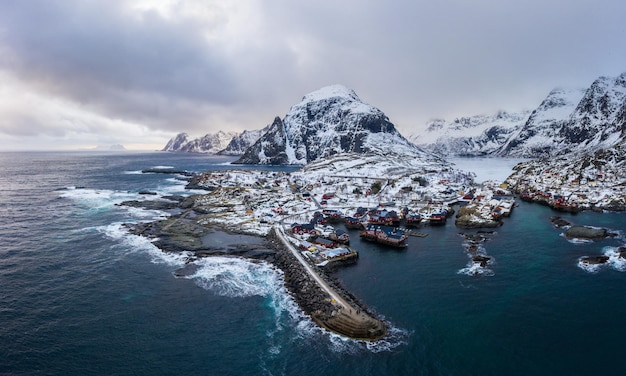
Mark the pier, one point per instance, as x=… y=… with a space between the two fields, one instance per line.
x=341 y=316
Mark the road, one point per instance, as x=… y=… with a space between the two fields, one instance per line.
x=320 y=281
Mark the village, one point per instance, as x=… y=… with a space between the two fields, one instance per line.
x=308 y=207
x=571 y=188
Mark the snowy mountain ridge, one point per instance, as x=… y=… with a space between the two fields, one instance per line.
x=241 y=142
x=470 y=136
x=537 y=137
x=209 y=143
x=567 y=120
x=326 y=122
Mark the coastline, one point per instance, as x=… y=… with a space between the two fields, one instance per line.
x=332 y=307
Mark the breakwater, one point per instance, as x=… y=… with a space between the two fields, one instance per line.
x=325 y=301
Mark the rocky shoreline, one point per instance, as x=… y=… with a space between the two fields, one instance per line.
x=184 y=233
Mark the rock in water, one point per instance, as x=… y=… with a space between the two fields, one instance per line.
x=584 y=232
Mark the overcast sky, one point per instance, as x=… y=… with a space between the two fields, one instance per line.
x=76 y=74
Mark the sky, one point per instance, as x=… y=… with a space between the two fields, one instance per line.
x=77 y=74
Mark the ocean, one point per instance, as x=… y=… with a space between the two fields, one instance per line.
x=79 y=295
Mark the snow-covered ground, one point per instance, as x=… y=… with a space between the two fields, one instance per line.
x=254 y=201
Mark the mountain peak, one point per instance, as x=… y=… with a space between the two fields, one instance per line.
x=328 y=121
x=331 y=91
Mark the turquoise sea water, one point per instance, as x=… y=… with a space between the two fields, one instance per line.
x=81 y=296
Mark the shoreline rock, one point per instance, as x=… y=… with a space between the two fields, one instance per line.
x=182 y=234
x=585 y=232
x=470 y=217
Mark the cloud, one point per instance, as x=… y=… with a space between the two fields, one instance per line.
x=118 y=64
x=201 y=66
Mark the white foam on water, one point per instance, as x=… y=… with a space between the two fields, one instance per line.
x=474 y=269
x=239 y=277
x=615 y=261
x=576 y=240
x=135 y=172
x=236 y=277
x=395 y=337
x=136 y=243
x=176 y=186
x=162 y=167
x=97 y=199
x=589 y=268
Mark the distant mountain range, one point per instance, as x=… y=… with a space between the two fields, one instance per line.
x=334 y=120
x=470 y=136
x=223 y=143
x=209 y=143
x=565 y=121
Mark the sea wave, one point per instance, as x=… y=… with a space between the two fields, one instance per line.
x=589 y=268
x=395 y=338
x=577 y=240
x=98 y=199
x=236 y=277
x=136 y=243
x=162 y=167
x=475 y=269
x=102 y=200
x=615 y=261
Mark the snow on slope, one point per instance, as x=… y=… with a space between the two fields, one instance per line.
x=470 y=136
x=209 y=143
x=329 y=121
x=240 y=143
x=537 y=137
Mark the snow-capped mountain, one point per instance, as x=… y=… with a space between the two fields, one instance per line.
x=575 y=120
x=538 y=136
x=567 y=120
x=176 y=143
x=240 y=143
x=599 y=120
x=330 y=121
x=470 y=136
x=209 y=143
